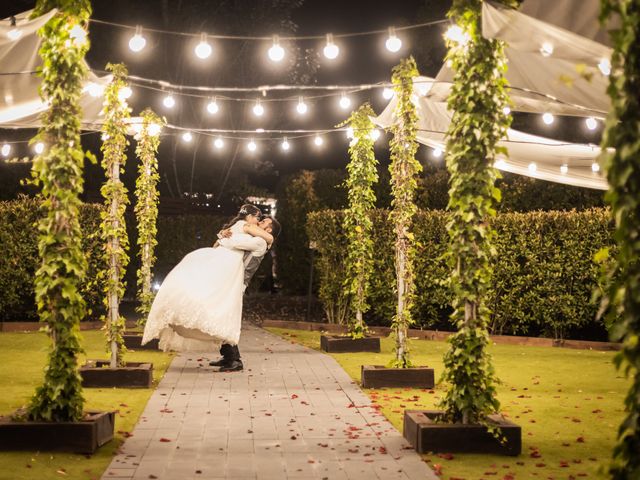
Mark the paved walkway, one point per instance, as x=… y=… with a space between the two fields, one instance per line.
x=292 y=413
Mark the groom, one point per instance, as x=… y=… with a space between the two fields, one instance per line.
x=230 y=361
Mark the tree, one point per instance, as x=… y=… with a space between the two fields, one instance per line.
x=362 y=174
x=622 y=299
x=58 y=173
x=477 y=98
x=404 y=169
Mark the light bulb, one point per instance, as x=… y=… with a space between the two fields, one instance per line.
x=252 y=146
x=548 y=118
x=154 y=129
x=318 y=140
x=564 y=169
x=258 y=109
x=546 y=49
x=506 y=110
x=78 y=35
x=203 y=49
x=595 y=167
x=39 y=148
x=187 y=137
x=301 y=107
x=6 y=150
x=605 y=66
x=276 y=52
x=592 y=123
x=345 y=102
x=331 y=50
x=124 y=93
x=169 y=101
x=137 y=42
x=393 y=43
x=212 y=107
x=533 y=167
x=387 y=93
x=456 y=34
x=437 y=152
x=350 y=132
x=137 y=128
x=94 y=89
x=218 y=143
x=375 y=134
x=285 y=144
x=14 y=34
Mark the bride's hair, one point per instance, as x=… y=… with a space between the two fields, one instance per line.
x=246 y=209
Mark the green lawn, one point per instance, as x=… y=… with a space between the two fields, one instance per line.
x=568 y=402
x=22 y=358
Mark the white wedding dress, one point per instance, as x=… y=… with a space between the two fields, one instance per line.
x=199 y=305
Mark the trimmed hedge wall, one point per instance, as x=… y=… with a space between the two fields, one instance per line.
x=544 y=273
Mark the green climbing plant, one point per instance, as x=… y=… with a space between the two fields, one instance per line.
x=147 y=207
x=362 y=174
x=621 y=162
x=116 y=114
x=477 y=99
x=404 y=169
x=58 y=174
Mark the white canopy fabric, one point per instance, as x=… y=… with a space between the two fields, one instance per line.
x=524 y=149
x=20 y=104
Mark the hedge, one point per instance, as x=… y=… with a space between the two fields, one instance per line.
x=544 y=273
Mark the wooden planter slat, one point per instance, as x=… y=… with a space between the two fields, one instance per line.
x=422 y=431
x=133 y=341
x=97 y=374
x=377 y=376
x=84 y=436
x=337 y=344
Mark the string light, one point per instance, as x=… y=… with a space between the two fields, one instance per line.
x=169 y=101
x=387 y=93
x=155 y=129
x=564 y=168
x=546 y=49
x=318 y=141
x=137 y=42
x=6 y=150
x=78 y=35
x=258 y=109
x=39 y=148
x=276 y=52
x=124 y=93
x=203 y=49
x=548 y=118
x=393 y=43
x=506 y=110
x=456 y=34
x=591 y=123
x=605 y=66
x=437 y=152
x=331 y=50
x=94 y=89
x=533 y=167
x=285 y=144
x=187 y=137
x=345 y=102
x=301 y=107
x=15 y=33
x=350 y=133
x=595 y=167
x=212 y=107
x=252 y=146
x=375 y=134
x=218 y=143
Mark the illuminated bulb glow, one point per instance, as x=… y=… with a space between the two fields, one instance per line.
x=285 y=145
x=14 y=34
x=375 y=134
x=592 y=123
x=345 y=102
x=258 y=109
x=548 y=118
x=218 y=143
x=212 y=107
x=393 y=43
x=252 y=146
x=318 y=140
x=456 y=34
x=6 y=150
x=437 y=152
x=387 y=93
x=506 y=110
x=331 y=50
x=595 y=167
x=546 y=49
x=605 y=66
x=533 y=167
x=78 y=35
x=154 y=129
x=301 y=107
x=124 y=93
x=350 y=132
x=187 y=137
x=169 y=101
x=94 y=89
x=137 y=42
x=39 y=148
x=564 y=169
x=137 y=128
x=276 y=52
x=203 y=49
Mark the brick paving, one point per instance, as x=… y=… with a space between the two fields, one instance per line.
x=292 y=413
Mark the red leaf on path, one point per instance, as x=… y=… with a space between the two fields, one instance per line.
x=293 y=437
x=508 y=477
x=446 y=456
x=166 y=410
x=164 y=440
x=311 y=461
x=597 y=411
x=564 y=463
x=580 y=439
x=151 y=475
x=294 y=396
x=490 y=473
x=382 y=450
x=198 y=471
x=437 y=469
x=28 y=466
x=535 y=454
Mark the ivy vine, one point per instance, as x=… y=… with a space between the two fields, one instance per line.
x=58 y=173
x=477 y=99
x=362 y=175
x=621 y=161
x=404 y=169
x=147 y=207
x=116 y=113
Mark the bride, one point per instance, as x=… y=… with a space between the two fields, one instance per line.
x=199 y=305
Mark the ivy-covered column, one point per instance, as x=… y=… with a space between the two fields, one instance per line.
x=477 y=99
x=362 y=175
x=622 y=167
x=58 y=173
x=116 y=113
x=147 y=206
x=404 y=169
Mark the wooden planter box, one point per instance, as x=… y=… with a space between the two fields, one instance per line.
x=96 y=373
x=422 y=431
x=84 y=436
x=338 y=344
x=133 y=341
x=376 y=376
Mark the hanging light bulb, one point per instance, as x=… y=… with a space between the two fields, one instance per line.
x=212 y=106
x=252 y=146
x=203 y=49
x=595 y=167
x=605 y=66
x=285 y=144
x=318 y=141
x=350 y=132
x=39 y=148
x=94 y=89
x=14 y=33
x=258 y=109
x=456 y=34
x=301 y=107
x=187 y=137
x=218 y=143
x=387 y=93
x=345 y=102
x=124 y=93
x=546 y=49
x=393 y=43
x=154 y=129
x=331 y=50
x=564 y=168
x=78 y=35
x=137 y=42
x=533 y=167
x=437 y=152
x=276 y=52
x=375 y=134
x=6 y=150
x=169 y=101
x=506 y=110
x=591 y=123
x=548 y=118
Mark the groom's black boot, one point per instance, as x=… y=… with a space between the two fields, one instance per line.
x=230 y=358
x=235 y=366
x=221 y=362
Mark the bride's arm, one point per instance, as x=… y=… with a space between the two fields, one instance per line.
x=258 y=232
x=256 y=245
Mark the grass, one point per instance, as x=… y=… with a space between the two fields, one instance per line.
x=569 y=404
x=22 y=358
